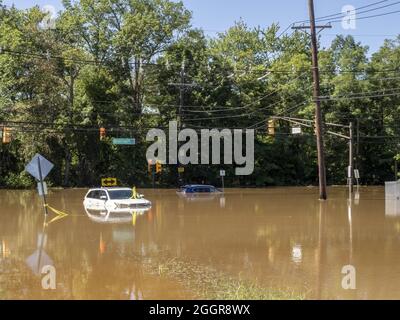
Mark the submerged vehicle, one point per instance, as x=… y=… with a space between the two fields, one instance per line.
x=115 y=199
x=198 y=189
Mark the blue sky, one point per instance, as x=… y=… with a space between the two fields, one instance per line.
x=218 y=15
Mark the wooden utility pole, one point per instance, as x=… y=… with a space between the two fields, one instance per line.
x=318 y=113
x=181 y=96
x=182 y=88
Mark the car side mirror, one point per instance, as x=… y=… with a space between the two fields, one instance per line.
x=103 y=197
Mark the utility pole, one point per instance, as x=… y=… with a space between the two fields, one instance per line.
x=180 y=108
x=181 y=95
x=318 y=113
x=396 y=165
x=358 y=144
x=182 y=87
x=351 y=159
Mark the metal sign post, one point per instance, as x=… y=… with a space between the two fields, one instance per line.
x=42 y=186
x=222 y=173
x=357 y=177
x=151 y=172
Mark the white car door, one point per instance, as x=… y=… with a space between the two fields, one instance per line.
x=90 y=200
x=102 y=199
x=96 y=199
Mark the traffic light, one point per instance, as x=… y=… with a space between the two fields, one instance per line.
x=150 y=166
x=7 y=135
x=158 y=167
x=103 y=133
x=271 y=127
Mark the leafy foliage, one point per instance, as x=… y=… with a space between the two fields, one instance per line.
x=108 y=62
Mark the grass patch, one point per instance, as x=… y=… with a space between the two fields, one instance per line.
x=208 y=283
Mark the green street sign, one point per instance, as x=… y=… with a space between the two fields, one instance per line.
x=124 y=141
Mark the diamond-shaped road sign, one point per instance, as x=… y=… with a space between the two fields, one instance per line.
x=33 y=166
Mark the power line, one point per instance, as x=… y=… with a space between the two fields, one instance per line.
x=360 y=97
x=361 y=12
x=285 y=30
x=49 y=56
x=297 y=106
x=364 y=35
x=43 y=56
x=361 y=93
x=72 y=125
x=250 y=104
x=368 y=17
x=341 y=13
x=246 y=106
x=243 y=114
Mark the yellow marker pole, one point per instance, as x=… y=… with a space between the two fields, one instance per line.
x=134 y=193
x=134 y=215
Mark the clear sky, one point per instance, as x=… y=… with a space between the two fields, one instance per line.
x=218 y=15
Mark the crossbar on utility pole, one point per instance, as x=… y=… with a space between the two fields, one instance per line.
x=318 y=113
x=308 y=27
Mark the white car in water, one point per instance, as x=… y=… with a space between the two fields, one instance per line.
x=115 y=199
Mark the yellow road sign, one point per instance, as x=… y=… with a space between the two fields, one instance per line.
x=109 y=182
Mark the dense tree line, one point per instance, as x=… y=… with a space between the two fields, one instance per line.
x=114 y=63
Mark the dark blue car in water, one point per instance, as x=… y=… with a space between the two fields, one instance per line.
x=198 y=189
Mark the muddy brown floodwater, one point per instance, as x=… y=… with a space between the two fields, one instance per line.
x=258 y=244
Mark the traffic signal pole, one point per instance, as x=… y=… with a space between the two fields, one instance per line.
x=351 y=159
x=350 y=138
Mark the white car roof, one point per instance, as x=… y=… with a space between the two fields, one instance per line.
x=109 y=189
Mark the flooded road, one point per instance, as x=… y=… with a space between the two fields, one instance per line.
x=257 y=244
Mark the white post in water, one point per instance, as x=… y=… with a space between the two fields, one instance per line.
x=42 y=186
x=222 y=173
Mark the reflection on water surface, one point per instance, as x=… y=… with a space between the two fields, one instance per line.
x=281 y=241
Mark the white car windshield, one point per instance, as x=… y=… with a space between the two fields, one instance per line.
x=120 y=194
